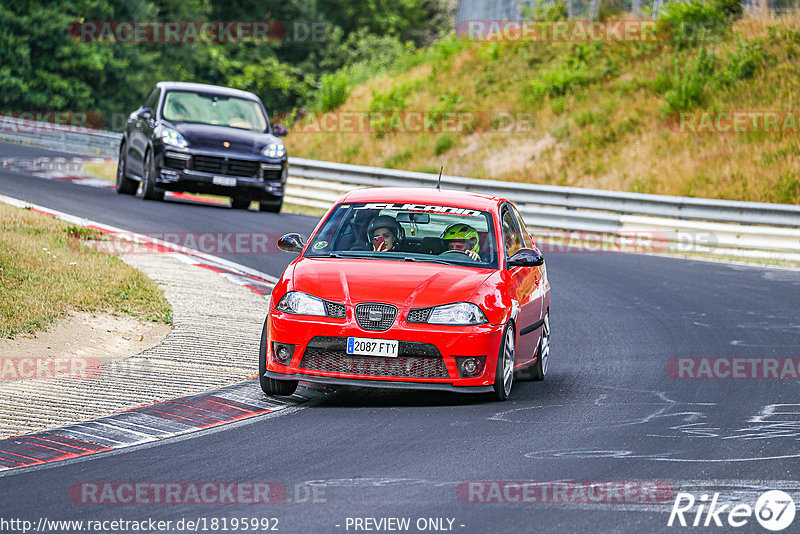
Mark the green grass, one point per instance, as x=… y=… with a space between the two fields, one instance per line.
x=47 y=267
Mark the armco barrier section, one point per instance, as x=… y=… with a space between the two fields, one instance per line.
x=735 y=225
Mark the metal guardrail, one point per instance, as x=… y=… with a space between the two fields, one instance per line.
x=686 y=224
x=733 y=225
x=574 y=198
x=60 y=137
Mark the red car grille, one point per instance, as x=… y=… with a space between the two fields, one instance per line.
x=383 y=314
x=415 y=360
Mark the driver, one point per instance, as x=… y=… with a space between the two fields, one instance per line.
x=384 y=233
x=463 y=238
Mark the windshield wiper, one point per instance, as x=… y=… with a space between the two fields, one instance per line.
x=371 y=256
x=429 y=260
x=352 y=254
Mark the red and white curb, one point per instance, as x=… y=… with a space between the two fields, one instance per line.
x=149 y=423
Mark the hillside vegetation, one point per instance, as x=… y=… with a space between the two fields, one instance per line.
x=593 y=114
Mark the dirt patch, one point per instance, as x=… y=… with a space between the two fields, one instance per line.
x=518 y=155
x=89 y=335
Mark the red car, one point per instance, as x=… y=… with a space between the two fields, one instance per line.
x=410 y=288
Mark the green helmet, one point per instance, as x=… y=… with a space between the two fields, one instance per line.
x=463 y=232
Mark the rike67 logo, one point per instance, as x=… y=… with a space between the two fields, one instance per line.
x=774 y=510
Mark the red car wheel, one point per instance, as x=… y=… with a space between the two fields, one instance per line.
x=504 y=373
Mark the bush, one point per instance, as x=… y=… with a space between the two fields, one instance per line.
x=558 y=82
x=437 y=54
x=586 y=63
x=392 y=100
x=731 y=9
x=396 y=160
x=556 y=10
x=443 y=143
x=789 y=188
x=448 y=103
x=386 y=108
x=333 y=92
x=591 y=116
x=694 y=21
x=744 y=61
x=686 y=87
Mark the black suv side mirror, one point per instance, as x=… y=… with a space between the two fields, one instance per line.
x=279 y=130
x=525 y=257
x=291 y=243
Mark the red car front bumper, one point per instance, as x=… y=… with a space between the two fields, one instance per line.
x=426 y=360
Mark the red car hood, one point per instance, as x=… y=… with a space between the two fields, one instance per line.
x=401 y=283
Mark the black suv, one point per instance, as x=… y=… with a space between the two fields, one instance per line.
x=203 y=139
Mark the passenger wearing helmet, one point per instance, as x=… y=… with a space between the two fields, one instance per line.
x=463 y=238
x=384 y=233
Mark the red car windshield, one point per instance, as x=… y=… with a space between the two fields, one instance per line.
x=408 y=232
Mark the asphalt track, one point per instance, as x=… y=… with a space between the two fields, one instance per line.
x=608 y=411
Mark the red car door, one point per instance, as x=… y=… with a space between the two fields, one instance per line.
x=523 y=284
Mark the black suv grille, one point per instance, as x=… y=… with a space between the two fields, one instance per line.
x=231 y=167
x=414 y=360
x=376 y=317
x=174 y=163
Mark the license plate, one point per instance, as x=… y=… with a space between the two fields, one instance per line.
x=363 y=346
x=224 y=180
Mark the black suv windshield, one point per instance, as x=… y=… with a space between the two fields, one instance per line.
x=408 y=232
x=219 y=110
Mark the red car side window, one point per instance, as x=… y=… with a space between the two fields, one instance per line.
x=512 y=236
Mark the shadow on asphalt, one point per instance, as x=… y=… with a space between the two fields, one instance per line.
x=355 y=397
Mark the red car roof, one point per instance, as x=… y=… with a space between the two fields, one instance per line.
x=424 y=195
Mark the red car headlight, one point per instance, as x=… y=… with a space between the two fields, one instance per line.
x=460 y=313
x=299 y=303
